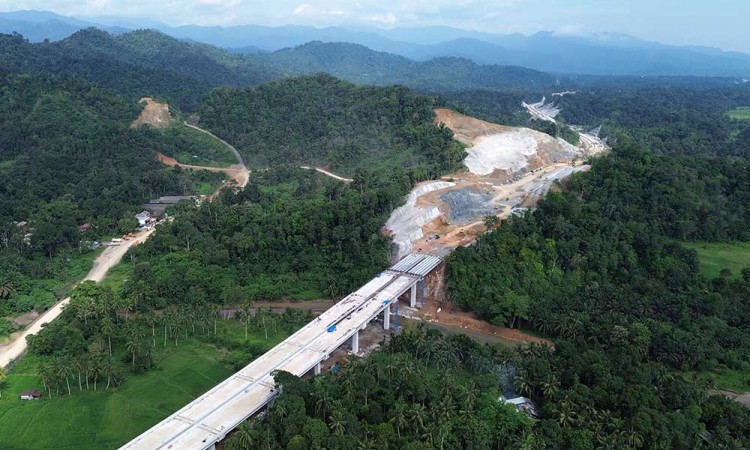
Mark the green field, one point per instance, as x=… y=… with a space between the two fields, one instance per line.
x=110 y=418
x=196 y=148
x=740 y=113
x=714 y=257
x=727 y=379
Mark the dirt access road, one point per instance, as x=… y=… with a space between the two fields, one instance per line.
x=157 y=115
x=109 y=258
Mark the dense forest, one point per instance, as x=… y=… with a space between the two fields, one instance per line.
x=600 y=267
x=137 y=64
x=320 y=120
x=68 y=157
x=421 y=391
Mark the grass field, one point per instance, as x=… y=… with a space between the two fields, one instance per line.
x=725 y=379
x=740 y=113
x=717 y=256
x=109 y=418
x=198 y=148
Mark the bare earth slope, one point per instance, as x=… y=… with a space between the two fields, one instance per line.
x=154 y=113
x=508 y=168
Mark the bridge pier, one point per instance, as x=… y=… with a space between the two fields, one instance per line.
x=387 y=317
x=316 y=369
x=355 y=342
x=413 y=299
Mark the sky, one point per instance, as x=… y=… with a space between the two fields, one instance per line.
x=716 y=23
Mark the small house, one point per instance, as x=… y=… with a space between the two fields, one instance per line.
x=32 y=394
x=143 y=218
x=84 y=227
x=522 y=404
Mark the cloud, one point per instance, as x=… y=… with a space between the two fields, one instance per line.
x=571 y=30
x=388 y=18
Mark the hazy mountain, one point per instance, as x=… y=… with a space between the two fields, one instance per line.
x=598 y=54
x=37 y=26
x=359 y=64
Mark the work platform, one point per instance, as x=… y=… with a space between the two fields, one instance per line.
x=209 y=418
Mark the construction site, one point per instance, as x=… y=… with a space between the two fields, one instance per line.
x=508 y=170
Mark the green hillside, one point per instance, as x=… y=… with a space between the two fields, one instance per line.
x=320 y=120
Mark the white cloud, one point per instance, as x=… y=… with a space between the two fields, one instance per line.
x=300 y=9
x=387 y=18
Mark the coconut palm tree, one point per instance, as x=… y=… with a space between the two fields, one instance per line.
x=7 y=287
x=337 y=422
x=61 y=369
x=109 y=368
x=398 y=417
x=243 y=436
x=108 y=329
x=133 y=340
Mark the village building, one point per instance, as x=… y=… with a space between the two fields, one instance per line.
x=31 y=394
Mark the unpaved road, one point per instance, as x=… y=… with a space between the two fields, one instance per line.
x=109 y=258
x=327 y=173
x=237 y=171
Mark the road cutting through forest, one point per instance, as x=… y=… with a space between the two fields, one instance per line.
x=108 y=259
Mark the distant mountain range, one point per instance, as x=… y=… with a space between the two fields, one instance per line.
x=600 y=54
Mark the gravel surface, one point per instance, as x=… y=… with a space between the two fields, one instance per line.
x=468 y=204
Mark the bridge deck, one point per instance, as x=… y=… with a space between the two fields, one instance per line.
x=211 y=416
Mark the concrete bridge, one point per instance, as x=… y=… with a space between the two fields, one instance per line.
x=209 y=418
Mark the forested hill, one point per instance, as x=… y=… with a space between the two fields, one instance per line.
x=68 y=156
x=359 y=64
x=320 y=120
x=148 y=63
x=137 y=64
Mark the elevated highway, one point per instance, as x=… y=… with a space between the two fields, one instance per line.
x=209 y=418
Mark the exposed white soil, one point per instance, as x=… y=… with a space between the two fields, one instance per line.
x=406 y=222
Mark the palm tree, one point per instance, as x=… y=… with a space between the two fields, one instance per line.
x=152 y=320
x=109 y=368
x=246 y=313
x=418 y=414
x=338 y=424
x=133 y=340
x=96 y=369
x=79 y=364
x=108 y=329
x=7 y=287
x=399 y=416
x=61 y=370
x=45 y=373
x=243 y=437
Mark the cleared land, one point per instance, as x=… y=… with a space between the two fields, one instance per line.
x=109 y=418
x=154 y=113
x=714 y=257
x=740 y=113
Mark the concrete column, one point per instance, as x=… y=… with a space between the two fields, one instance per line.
x=316 y=370
x=413 y=300
x=355 y=342
x=387 y=317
